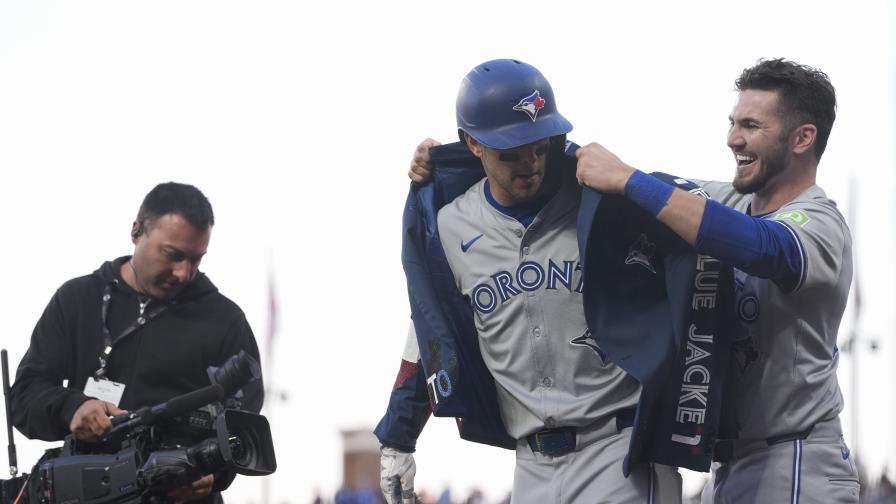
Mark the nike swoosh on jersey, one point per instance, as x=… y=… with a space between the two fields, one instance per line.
x=464 y=247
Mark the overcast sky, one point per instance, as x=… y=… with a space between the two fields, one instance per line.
x=298 y=119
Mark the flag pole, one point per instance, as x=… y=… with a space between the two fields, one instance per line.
x=269 y=363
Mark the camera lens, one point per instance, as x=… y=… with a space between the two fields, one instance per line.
x=236 y=449
x=236 y=372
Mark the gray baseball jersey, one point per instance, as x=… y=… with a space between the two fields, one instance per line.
x=786 y=352
x=786 y=367
x=525 y=287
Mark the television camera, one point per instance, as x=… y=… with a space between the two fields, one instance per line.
x=150 y=451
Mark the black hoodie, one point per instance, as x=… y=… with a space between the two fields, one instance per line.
x=164 y=358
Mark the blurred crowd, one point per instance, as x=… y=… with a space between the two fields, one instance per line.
x=879 y=490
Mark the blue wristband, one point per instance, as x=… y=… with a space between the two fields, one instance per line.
x=649 y=193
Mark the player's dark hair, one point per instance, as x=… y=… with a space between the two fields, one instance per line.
x=174 y=198
x=806 y=94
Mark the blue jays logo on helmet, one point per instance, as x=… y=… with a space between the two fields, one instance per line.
x=491 y=98
x=531 y=104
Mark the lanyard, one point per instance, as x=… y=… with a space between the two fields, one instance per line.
x=108 y=342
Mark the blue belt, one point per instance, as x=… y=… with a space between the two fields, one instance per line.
x=562 y=440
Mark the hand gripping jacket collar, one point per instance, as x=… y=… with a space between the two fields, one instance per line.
x=664 y=314
x=633 y=266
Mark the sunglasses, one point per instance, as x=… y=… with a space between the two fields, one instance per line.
x=513 y=157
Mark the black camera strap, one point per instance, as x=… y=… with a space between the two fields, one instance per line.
x=108 y=342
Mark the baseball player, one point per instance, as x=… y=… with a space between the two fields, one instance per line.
x=510 y=241
x=792 y=251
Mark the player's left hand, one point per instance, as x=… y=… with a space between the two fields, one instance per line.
x=601 y=170
x=196 y=490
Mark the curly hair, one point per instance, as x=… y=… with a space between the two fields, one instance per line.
x=806 y=94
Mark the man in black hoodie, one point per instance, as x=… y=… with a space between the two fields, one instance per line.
x=137 y=332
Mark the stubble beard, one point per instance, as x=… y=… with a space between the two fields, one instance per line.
x=772 y=165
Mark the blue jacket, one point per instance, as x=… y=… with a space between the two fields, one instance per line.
x=451 y=379
x=664 y=314
x=452 y=373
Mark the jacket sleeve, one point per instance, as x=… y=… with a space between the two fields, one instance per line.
x=41 y=407
x=409 y=407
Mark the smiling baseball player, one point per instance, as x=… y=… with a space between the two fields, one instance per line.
x=794 y=255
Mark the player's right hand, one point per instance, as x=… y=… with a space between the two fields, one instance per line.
x=397 y=471
x=91 y=420
x=421 y=164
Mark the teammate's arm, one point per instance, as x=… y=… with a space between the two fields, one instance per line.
x=763 y=248
x=421 y=164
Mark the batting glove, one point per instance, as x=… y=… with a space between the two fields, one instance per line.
x=397 y=471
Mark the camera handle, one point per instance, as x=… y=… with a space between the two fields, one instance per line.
x=171 y=408
x=235 y=373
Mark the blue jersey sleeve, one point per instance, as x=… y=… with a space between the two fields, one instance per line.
x=763 y=248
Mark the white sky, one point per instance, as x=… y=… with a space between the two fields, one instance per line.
x=298 y=119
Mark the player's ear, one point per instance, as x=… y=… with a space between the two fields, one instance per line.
x=803 y=138
x=475 y=147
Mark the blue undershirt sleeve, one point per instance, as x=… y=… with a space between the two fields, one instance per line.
x=649 y=193
x=763 y=248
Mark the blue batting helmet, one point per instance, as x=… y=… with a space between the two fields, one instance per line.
x=507 y=103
